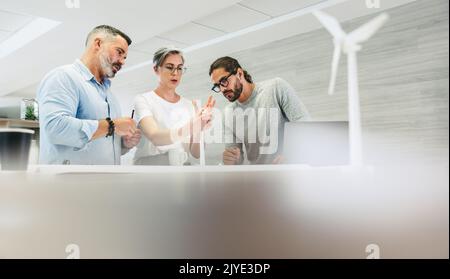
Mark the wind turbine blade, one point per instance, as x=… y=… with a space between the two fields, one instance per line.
x=334 y=68
x=367 y=30
x=330 y=23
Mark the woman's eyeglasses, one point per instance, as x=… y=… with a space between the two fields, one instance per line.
x=223 y=82
x=171 y=69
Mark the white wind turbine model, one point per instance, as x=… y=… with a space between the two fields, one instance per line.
x=350 y=45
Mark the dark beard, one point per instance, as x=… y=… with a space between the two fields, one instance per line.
x=236 y=93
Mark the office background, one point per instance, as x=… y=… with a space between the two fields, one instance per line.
x=403 y=69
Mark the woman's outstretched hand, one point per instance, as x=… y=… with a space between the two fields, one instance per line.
x=203 y=117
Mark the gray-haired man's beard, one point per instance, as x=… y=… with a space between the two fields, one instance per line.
x=108 y=67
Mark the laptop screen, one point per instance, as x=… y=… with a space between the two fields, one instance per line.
x=316 y=143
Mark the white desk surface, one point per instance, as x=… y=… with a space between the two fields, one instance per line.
x=224 y=212
x=50 y=169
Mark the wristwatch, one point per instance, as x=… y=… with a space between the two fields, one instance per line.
x=111 y=127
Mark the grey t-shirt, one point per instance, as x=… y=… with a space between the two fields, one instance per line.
x=258 y=123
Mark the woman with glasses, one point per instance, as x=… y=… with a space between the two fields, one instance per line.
x=170 y=123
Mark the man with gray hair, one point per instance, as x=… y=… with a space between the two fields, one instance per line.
x=80 y=119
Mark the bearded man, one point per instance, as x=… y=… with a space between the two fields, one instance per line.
x=257 y=113
x=80 y=119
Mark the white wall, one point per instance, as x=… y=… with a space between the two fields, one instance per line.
x=403 y=81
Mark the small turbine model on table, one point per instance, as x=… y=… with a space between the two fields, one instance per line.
x=350 y=44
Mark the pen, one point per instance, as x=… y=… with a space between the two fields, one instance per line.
x=132 y=114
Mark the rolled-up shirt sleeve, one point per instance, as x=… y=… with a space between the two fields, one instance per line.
x=58 y=104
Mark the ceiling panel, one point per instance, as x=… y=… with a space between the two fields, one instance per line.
x=48 y=51
x=12 y=22
x=3 y=35
x=135 y=57
x=153 y=44
x=141 y=20
x=278 y=7
x=242 y=18
x=191 y=34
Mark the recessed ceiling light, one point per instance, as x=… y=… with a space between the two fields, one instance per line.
x=36 y=28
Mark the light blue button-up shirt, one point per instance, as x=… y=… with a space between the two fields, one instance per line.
x=71 y=103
